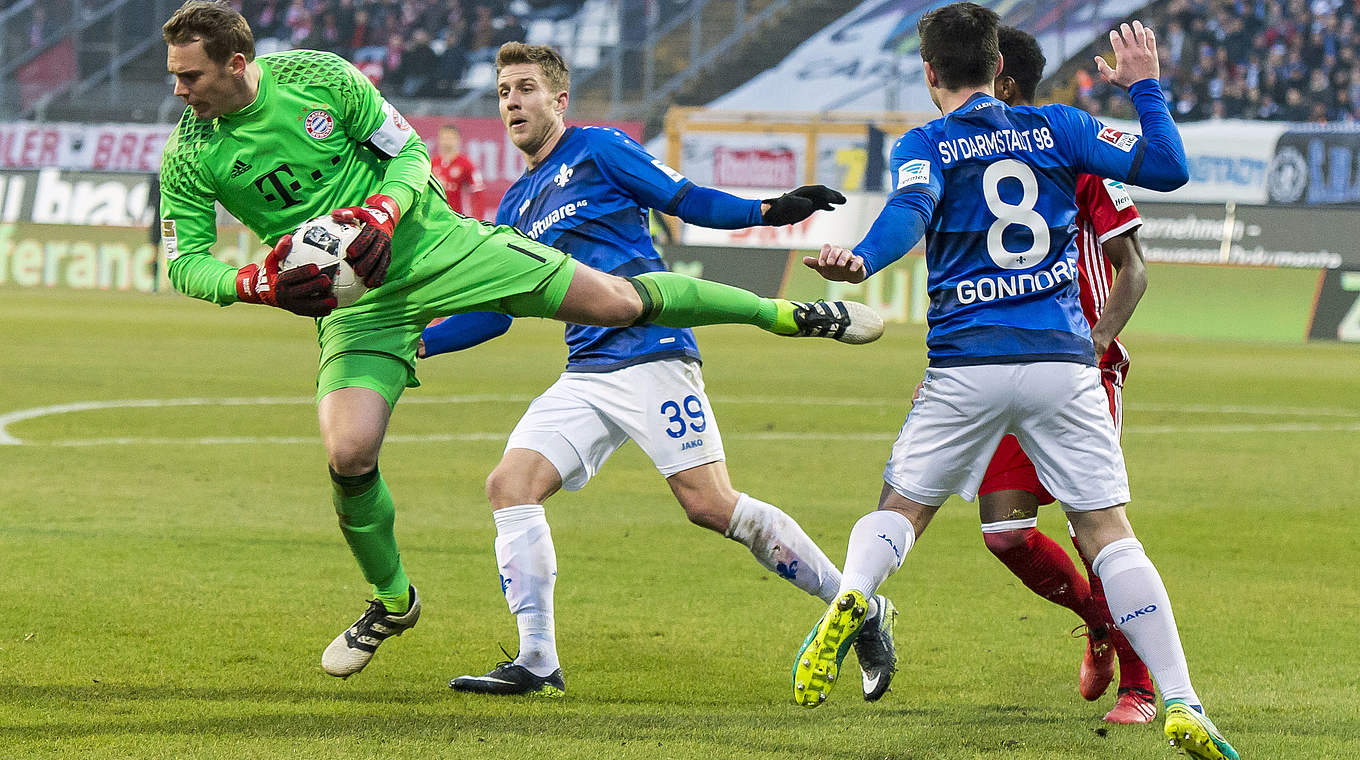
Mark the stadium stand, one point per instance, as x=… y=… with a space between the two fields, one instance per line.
x=1279 y=60
x=112 y=64
x=419 y=48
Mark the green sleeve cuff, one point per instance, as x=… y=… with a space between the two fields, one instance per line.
x=201 y=276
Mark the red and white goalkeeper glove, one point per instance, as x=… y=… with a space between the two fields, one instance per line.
x=371 y=252
x=305 y=291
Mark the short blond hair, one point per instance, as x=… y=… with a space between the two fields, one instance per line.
x=549 y=61
x=223 y=31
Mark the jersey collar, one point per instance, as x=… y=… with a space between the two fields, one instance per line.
x=266 y=89
x=561 y=141
x=974 y=100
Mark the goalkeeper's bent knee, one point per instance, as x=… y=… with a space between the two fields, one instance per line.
x=354 y=485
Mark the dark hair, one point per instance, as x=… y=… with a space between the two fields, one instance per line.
x=223 y=31
x=555 y=71
x=1022 y=59
x=959 y=43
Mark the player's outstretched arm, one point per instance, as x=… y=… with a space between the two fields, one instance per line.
x=630 y=168
x=897 y=229
x=461 y=331
x=1130 y=282
x=1157 y=159
x=708 y=207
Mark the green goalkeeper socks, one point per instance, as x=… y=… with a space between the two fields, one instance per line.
x=676 y=300
x=367 y=514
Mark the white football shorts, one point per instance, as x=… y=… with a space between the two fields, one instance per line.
x=586 y=416
x=1058 y=410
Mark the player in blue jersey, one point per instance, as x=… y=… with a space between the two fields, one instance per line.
x=587 y=191
x=992 y=189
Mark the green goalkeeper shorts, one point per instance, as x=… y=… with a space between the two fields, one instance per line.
x=372 y=344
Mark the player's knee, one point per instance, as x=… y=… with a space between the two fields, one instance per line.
x=352 y=459
x=1003 y=541
x=709 y=517
x=708 y=509
x=507 y=487
x=498 y=486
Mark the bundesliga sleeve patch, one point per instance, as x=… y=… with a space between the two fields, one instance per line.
x=669 y=172
x=1121 y=140
x=913 y=173
x=169 y=243
x=1118 y=194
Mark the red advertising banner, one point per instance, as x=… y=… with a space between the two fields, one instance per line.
x=137 y=147
x=83 y=147
x=485 y=142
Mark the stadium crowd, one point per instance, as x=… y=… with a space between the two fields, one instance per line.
x=1281 y=60
x=416 y=48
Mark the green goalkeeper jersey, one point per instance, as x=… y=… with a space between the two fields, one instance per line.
x=317 y=137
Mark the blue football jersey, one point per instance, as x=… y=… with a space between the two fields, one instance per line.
x=1000 y=183
x=590 y=198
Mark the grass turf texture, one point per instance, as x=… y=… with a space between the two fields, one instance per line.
x=172 y=600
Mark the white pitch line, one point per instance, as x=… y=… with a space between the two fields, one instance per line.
x=1277 y=411
x=766 y=436
x=10 y=418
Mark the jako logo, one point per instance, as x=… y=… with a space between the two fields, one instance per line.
x=1151 y=608
x=789 y=571
x=505 y=584
x=896 y=551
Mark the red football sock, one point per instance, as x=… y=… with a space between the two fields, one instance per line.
x=1042 y=565
x=1132 y=672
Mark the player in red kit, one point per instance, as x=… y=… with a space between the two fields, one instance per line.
x=1112 y=278
x=461 y=179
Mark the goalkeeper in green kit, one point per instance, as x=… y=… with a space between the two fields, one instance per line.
x=300 y=134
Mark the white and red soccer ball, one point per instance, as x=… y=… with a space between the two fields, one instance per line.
x=322 y=241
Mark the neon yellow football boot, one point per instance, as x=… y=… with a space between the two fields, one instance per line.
x=1191 y=731
x=819 y=659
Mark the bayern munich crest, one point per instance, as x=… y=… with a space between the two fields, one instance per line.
x=319 y=124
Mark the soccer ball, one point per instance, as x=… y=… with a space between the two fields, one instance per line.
x=322 y=241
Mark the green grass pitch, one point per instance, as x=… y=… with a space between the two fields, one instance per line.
x=174 y=571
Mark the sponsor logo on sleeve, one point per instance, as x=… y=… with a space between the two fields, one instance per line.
x=1119 y=195
x=913 y=173
x=1121 y=140
x=169 y=243
x=669 y=172
x=319 y=124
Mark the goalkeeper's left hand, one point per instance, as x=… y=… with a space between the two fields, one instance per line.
x=796 y=205
x=371 y=252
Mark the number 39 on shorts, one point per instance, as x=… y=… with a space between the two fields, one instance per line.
x=684 y=416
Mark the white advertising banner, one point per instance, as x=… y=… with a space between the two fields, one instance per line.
x=82 y=147
x=844 y=226
x=1230 y=160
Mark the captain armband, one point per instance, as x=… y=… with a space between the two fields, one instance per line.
x=390 y=136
